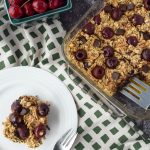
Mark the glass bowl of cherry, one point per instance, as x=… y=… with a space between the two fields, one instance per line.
x=22 y=11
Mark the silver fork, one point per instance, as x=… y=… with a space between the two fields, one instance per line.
x=66 y=141
x=139 y=92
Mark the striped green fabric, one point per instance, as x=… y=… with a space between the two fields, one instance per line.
x=39 y=45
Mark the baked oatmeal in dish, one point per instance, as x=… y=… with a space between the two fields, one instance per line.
x=114 y=45
x=28 y=121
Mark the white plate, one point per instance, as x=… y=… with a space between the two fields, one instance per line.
x=18 y=81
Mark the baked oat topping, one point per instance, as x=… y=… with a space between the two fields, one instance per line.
x=28 y=121
x=117 y=45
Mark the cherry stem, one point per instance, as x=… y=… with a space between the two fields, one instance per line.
x=25 y=3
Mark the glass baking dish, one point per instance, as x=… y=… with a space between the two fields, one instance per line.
x=122 y=106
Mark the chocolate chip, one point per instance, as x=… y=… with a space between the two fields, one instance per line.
x=146 y=54
x=89 y=28
x=137 y=19
x=82 y=39
x=132 y=73
x=97 y=43
x=123 y=7
x=141 y=76
x=130 y=6
x=145 y=68
x=86 y=64
x=120 y=31
x=146 y=35
x=115 y=75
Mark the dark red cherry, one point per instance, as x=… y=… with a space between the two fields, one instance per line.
x=16 y=2
x=147 y=4
x=29 y=11
x=116 y=14
x=16 y=107
x=43 y=109
x=145 y=68
x=22 y=132
x=40 y=131
x=16 y=120
x=53 y=4
x=15 y=11
x=107 y=33
x=81 y=55
x=112 y=62
x=137 y=19
x=108 y=8
x=89 y=28
x=108 y=51
x=132 y=40
x=97 y=19
x=39 y=6
x=98 y=72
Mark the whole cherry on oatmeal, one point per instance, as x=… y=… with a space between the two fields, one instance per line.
x=89 y=28
x=81 y=55
x=98 y=72
x=107 y=33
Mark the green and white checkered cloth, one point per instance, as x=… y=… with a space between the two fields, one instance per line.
x=39 y=44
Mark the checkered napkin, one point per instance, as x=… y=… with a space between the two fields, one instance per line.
x=39 y=44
